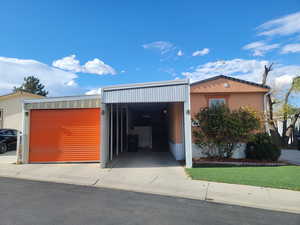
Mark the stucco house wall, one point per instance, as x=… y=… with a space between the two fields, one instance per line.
x=237 y=93
x=11 y=107
x=176 y=130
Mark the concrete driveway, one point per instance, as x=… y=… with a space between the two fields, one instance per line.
x=291 y=156
x=145 y=168
x=8 y=157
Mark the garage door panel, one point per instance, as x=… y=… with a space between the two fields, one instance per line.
x=69 y=135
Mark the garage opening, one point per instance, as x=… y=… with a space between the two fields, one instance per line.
x=152 y=116
x=147 y=129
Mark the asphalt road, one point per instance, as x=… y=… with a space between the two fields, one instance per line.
x=38 y=203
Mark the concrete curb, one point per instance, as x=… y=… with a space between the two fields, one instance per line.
x=94 y=183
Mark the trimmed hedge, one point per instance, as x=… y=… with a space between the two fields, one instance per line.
x=262 y=148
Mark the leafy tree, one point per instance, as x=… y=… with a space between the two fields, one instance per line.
x=32 y=85
x=222 y=129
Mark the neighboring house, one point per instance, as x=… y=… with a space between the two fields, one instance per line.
x=11 y=109
x=95 y=128
x=234 y=93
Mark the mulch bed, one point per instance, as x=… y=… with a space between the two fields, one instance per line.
x=236 y=162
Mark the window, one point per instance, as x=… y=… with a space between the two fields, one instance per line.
x=216 y=102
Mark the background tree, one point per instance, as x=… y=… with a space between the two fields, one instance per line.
x=32 y=85
x=290 y=110
x=286 y=111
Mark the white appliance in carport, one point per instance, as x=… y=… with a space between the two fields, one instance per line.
x=144 y=136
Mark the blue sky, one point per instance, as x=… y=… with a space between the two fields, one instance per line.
x=78 y=46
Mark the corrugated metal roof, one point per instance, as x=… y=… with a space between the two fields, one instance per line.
x=63 y=98
x=71 y=102
x=147 y=84
x=166 y=91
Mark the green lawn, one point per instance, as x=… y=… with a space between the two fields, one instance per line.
x=287 y=177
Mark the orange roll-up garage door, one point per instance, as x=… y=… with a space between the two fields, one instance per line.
x=64 y=135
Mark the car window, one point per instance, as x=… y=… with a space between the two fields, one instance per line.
x=8 y=132
x=2 y=132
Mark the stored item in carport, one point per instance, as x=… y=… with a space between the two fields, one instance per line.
x=133 y=141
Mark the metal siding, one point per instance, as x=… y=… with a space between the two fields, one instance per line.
x=70 y=135
x=172 y=93
x=71 y=104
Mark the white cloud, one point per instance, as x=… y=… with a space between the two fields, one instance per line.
x=161 y=46
x=290 y=48
x=94 y=92
x=260 y=48
x=180 y=53
x=95 y=66
x=71 y=83
x=285 y=25
x=204 y=51
x=68 y=63
x=57 y=81
x=284 y=80
x=250 y=70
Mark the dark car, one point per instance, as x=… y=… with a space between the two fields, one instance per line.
x=8 y=140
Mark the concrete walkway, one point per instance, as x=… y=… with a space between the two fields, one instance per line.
x=291 y=156
x=8 y=157
x=155 y=173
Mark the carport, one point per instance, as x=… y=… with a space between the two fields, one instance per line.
x=160 y=109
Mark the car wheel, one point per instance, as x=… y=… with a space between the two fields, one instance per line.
x=3 y=148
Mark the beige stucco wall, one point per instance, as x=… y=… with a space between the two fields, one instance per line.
x=12 y=111
x=237 y=94
x=175 y=122
x=233 y=101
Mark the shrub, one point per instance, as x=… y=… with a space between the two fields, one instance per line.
x=262 y=148
x=222 y=129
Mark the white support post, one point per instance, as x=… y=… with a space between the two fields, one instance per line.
x=117 y=111
x=127 y=128
x=188 y=131
x=104 y=146
x=121 y=129
x=18 y=150
x=111 y=131
x=23 y=154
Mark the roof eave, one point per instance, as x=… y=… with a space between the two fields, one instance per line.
x=231 y=78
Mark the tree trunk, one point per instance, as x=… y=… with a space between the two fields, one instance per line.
x=291 y=127
x=285 y=139
x=272 y=126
